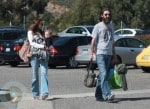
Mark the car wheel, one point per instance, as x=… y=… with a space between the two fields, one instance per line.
x=2 y=62
x=146 y=69
x=72 y=63
x=52 y=66
x=14 y=64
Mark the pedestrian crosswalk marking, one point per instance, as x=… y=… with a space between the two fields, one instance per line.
x=92 y=93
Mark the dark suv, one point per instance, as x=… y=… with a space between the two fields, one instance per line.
x=11 y=40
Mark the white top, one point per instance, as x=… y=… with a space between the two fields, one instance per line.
x=33 y=44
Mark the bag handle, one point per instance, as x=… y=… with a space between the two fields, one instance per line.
x=90 y=67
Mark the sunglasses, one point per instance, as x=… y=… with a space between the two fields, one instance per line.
x=107 y=14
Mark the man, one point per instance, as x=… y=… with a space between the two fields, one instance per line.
x=102 y=46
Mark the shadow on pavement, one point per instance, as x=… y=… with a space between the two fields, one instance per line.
x=134 y=99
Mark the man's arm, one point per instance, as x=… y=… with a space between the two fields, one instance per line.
x=92 y=48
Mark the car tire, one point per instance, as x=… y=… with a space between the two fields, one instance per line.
x=72 y=63
x=2 y=62
x=146 y=69
x=52 y=66
x=14 y=64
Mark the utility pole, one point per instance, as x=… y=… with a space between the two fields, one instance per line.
x=24 y=15
x=10 y=14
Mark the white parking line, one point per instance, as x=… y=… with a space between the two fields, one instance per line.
x=28 y=103
x=92 y=94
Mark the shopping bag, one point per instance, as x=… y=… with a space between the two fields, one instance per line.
x=90 y=76
x=114 y=79
x=25 y=52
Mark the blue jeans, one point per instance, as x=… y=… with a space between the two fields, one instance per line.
x=102 y=87
x=43 y=65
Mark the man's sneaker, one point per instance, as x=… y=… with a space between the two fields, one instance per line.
x=45 y=96
x=110 y=97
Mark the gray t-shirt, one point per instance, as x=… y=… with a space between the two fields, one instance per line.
x=104 y=38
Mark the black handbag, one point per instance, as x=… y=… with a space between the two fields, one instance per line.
x=90 y=76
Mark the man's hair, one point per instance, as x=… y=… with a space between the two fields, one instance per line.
x=102 y=11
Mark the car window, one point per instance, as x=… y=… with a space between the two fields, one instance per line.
x=118 y=32
x=139 y=32
x=120 y=43
x=83 y=40
x=77 y=30
x=20 y=39
x=127 y=32
x=11 y=35
x=135 y=43
x=90 y=29
x=71 y=30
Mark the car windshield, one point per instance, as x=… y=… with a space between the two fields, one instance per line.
x=11 y=35
x=90 y=28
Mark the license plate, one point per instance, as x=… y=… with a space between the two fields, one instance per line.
x=85 y=52
x=7 y=50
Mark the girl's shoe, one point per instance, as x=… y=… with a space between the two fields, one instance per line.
x=36 y=98
x=45 y=96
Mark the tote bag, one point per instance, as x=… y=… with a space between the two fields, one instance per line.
x=114 y=79
x=90 y=76
x=24 y=52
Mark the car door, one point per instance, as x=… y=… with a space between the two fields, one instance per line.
x=134 y=48
x=121 y=50
x=128 y=48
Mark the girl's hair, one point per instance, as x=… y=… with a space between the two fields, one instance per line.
x=101 y=13
x=34 y=27
x=37 y=21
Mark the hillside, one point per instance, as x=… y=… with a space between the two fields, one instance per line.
x=59 y=7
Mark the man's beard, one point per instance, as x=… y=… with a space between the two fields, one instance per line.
x=107 y=20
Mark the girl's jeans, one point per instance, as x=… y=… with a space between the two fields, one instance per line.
x=102 y=87
x=37 y=64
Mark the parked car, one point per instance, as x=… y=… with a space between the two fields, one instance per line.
x=143 y=59
x=64 y=50
x=11 y=41
x=11 y=27
x=84 y=30
x=126 y=49
x=128 y=32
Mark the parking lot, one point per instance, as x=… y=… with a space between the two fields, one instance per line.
x=68 y=92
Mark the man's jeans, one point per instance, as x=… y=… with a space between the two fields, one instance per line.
x=35 y=64
x=102 y=87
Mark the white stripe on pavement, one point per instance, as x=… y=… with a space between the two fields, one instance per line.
x=27 y=101
x=92 y=94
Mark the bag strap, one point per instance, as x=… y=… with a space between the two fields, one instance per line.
x=90 y=67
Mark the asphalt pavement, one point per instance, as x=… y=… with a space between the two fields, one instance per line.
x=67 y=91
x=131 y=99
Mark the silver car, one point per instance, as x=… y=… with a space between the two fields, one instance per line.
x=84 y=30
x=126 y=49
x=128 y=32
